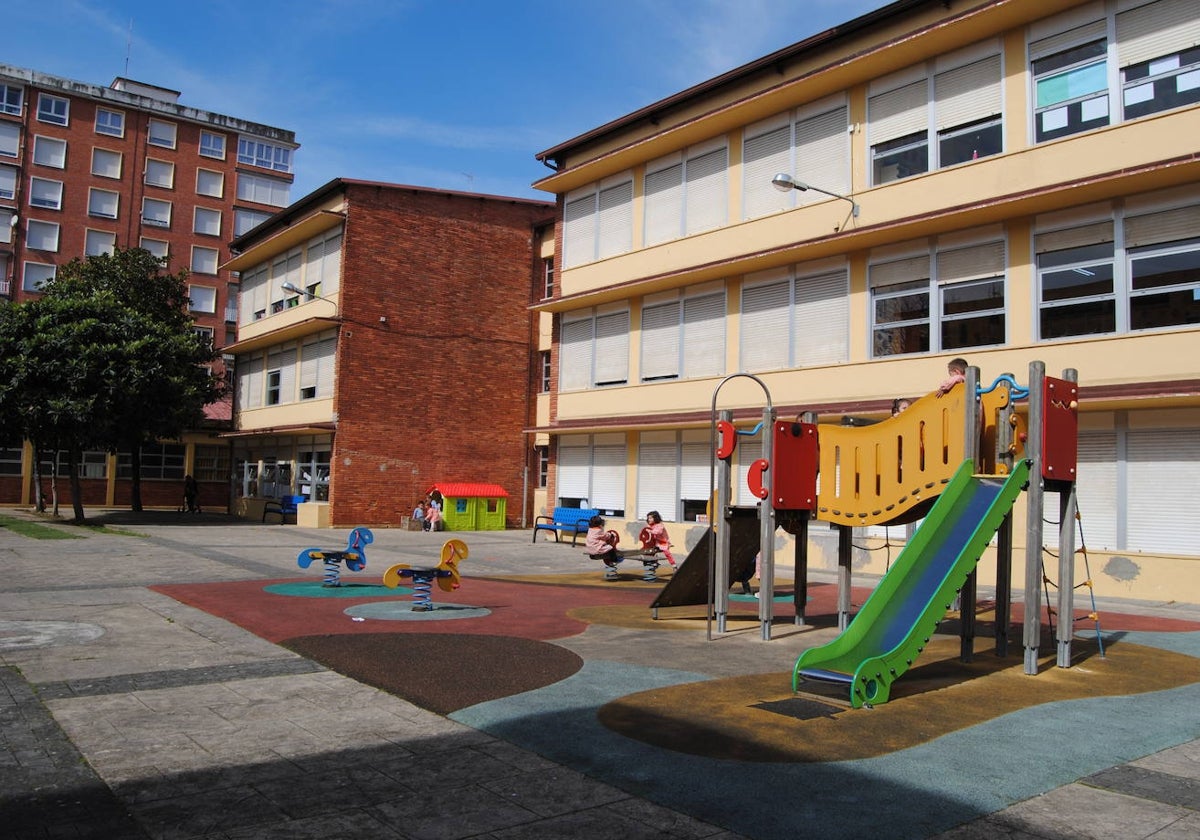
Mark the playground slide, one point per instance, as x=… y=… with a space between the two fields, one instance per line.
x=894 y=625
x=689 y=585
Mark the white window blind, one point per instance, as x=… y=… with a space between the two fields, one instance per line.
x=250 y=381
x=704 y=335
x=706 y=191
x=612 y=348
x=608 y=477
x=764 y=155
x=967 y=94
x=1166 y=226
x=899 y=271
x=1061 y=240
x=898 y=112
x=615 y=228
x=579 y=231
x=694 y=472
x=1096 y=490
x=822 y=155
x=572 y=473
x=822 y=319
x=287 y=375
x=575 y=355
x=1075 y=37
x=970 y=263
x=658 y=475
x=664 y=204
x=1156 y=30
x=766 y=316
x=1163 y=521
x=660 y=341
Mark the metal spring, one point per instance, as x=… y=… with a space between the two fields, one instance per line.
x=333 y=572
x=422 y=590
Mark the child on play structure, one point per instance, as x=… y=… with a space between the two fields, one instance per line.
x=957 y=368
x=602 y=545
x=654 y=537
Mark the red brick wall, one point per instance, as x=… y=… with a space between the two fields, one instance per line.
x=441 y=390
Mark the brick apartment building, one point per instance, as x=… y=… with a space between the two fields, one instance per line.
x=85 y=169
x=385 y=345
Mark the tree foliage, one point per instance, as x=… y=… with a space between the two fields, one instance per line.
x=105 y=359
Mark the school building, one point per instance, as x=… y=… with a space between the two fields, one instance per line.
x=1004 y=180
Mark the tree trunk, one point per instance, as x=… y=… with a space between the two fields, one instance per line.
x=39 y=494
x=76 y=486
x=135 y=477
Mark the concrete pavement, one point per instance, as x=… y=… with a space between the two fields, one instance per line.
x=128 y=714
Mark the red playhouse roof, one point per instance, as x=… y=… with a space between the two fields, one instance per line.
x=468 y=489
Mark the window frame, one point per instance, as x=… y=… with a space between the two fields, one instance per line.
x=113 y=125
x=35 y=284
x=58 y=112
x=161 y=133
x=95 y=193
x=262 y=153
x=10 y=103
x=203 y=259
x=100 y=154
x=42 y=141
x=193 y=306
x=210 y=214
x=216 y=179
x=153 y=171
x=88 y=239
x=208 y=149
x=31 y=237
x=153 y=220
x=56 y=188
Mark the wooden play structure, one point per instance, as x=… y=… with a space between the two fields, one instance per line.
x=959 y=461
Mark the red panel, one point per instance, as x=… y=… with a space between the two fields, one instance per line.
x=794 y=479
x=1060 y=429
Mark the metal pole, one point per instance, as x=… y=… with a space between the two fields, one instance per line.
x=972 y=446
x=800 y=590
x=845 y=556
x=1067 y=506
x=766 y=531
x=718 y=596
x=1004 y=545
x=1033 y=525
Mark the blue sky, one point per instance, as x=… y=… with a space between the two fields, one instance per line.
x=452 y=94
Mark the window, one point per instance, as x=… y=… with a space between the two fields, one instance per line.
x=548 y=277
x=159 y=461
x=53 y=109
x=156 y=212
x=543 y=466
x=8 y=182
x=594 y=350
x=266 y=155
x=591 y=472
x=103 y=203
x=547 y=371
x=205 y=335
x=109 y=122
x=263 y=190
x=899 y=133
x=106 y=164
x=160 y=173
x=92 y=464
x=161 y=133
x=6 y=234
x=598 y=221
x=11 y=99
x=207 y=221
x=202 y=299
x=99 y=242
x=204 y=260
x=967 y=109
x=36 y=275
x=795 y=317
x=246 y=220
x=11 y=458
x=210 y=183
x=156 y=247
x=323 y=263
x=10 y=139
x=1158 y=55
x=212 y=145
x=50 y=151
x=45 y=193
x=316 y=366
x=41 y=236
x=1069 y=65
x=281 y=374
x=960 y=288
x=684 y=337
x=211 y=463
x=812 y=143
x=1076 y=290
x=686 y=193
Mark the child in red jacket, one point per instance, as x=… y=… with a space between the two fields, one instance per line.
x=657 y=538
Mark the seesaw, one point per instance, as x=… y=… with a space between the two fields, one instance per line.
x=445 y=573
x=355 y=556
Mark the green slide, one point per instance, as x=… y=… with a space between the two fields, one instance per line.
x=897 y=620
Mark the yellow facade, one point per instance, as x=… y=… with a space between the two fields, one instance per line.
x=1086 y=174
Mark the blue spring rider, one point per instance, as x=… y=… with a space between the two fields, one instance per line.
x=355 y=556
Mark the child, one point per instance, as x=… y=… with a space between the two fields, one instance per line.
x=657 y=539
x=957 y=368
x=602 y=545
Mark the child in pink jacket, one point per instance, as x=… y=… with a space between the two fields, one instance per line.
x=657 y=536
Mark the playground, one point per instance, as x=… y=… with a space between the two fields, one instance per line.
x=696 y=698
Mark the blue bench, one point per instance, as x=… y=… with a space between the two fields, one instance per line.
x=565 y=520
x=283 y=508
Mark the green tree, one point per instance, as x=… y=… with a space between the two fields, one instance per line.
x=105 y=359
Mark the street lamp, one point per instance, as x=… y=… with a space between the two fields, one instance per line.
x=288 y=286
x=784 y=182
